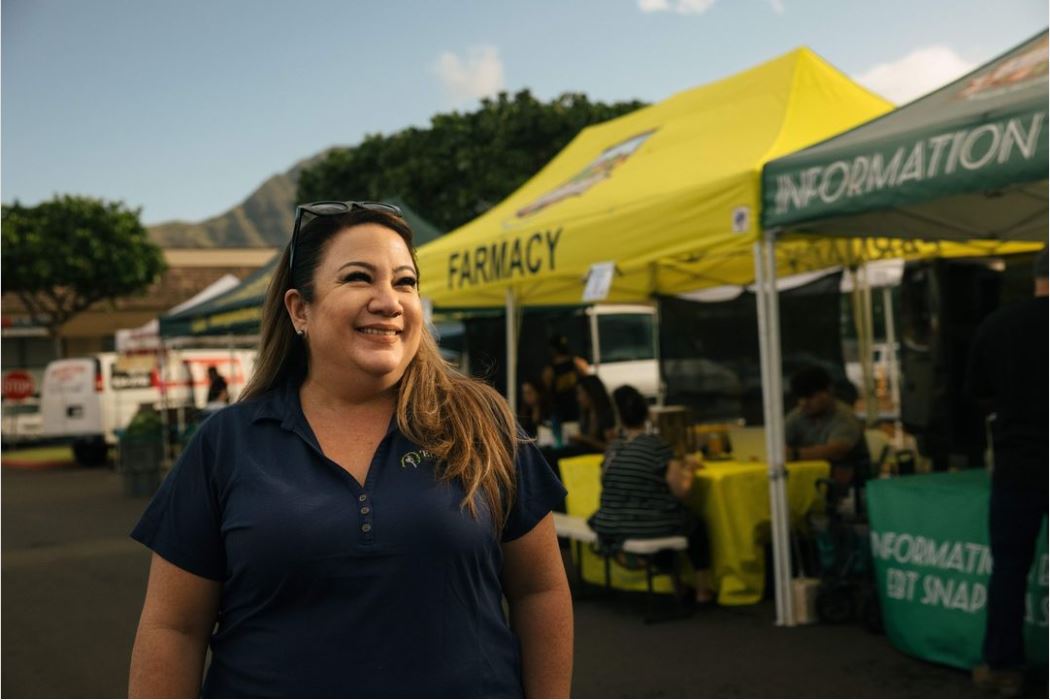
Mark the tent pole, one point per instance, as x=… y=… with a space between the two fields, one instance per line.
x=761 y=304
x=891 y=357
x=512 y=351
x=782 y=549
x=661 y=386
x=863 y=347
x=767 y=411
x=871 y=401
x=596 y=341
x=164 y=422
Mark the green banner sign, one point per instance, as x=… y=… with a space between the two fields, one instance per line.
x=929 y=537
x=949 y=160
x=984 y=133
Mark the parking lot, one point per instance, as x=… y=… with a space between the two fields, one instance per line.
x=73 y=584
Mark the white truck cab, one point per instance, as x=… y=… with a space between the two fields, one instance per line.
x=88 y=399
x=625 y=347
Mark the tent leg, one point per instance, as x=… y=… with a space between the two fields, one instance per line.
x=661 y=385
x=769 y=342
x=871 y=400
x=512 y=351
x=783 y=547
x=894 y=367
x=164 y=423
x=861 y=307
x=654 y=290
x=767 y=411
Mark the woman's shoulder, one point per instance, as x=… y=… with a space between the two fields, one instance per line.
x=240 y=414
x=652 y=441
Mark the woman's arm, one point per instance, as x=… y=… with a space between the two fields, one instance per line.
x=540 y=610
x=588 y=441
x=680 y=474
x=177 y=619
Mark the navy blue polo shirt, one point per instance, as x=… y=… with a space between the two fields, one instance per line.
x=331 y=588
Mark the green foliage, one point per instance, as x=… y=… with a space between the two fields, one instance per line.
x=145 y=425
x=464 y=163
x=64 y=255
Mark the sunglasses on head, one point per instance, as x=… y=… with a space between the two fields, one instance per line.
x=332 y=209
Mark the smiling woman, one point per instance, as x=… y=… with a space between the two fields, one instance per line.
x=354 y=522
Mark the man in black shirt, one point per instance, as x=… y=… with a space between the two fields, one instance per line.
x=1008 y=376
x=218 y=393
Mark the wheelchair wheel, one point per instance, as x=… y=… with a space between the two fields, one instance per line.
x=871 y=611
x=835 y=604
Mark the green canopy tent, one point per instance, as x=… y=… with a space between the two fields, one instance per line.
x=967 y=162
x=239 y=311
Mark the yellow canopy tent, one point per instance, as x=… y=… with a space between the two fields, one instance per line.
x=669 y=193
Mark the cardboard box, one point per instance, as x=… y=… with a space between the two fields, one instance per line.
x=804 y=599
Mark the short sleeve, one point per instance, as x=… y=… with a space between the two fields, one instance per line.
x=791 y=429
x=664 y=454
x=978 y=384
x=538 y=491
x=845 y=428
x=182 y=522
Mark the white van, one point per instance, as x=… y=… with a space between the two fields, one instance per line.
x=621 y=341
x=88 y=399
x=624 y=345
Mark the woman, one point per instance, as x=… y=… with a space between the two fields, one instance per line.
x=353 y=523
x=562 y=375
x=597 y=422
x=533 y=412
x=643 y=487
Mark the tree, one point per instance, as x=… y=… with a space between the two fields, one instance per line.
x=464 y=163
x=64 y=255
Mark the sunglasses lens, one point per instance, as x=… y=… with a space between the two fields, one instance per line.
x=328 y=208
x=377 y=206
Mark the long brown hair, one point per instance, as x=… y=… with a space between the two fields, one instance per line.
x=465 y=423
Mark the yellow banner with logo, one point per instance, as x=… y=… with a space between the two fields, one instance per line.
x=669 y=194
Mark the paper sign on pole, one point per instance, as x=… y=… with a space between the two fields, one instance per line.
x=599 y=280
x=428 y=310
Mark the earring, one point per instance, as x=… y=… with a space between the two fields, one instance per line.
x=301 y=332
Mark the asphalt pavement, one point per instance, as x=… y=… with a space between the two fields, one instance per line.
x=73 y=583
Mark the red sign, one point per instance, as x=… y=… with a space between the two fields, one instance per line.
x=18 y=385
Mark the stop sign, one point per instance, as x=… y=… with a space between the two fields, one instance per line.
x=18 y=385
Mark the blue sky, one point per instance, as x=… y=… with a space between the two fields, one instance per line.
x=183 y=107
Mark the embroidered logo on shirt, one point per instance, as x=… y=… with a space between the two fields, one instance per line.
x=414 y=459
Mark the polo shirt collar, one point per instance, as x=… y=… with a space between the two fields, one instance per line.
x=282 y=404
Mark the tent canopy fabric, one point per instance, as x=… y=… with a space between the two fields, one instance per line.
x=928 y=169
x=147 y=336
x=670 y=193
x=239 y=311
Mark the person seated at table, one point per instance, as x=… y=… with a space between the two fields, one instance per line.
x=643 y=487
x=822 y=427
x=597 y=422
x=533 y=410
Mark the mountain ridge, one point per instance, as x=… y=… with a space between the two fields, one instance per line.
x=262 y=220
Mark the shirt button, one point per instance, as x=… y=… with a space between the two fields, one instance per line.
x=363 y=497
x=365 y=510
x=367 y=527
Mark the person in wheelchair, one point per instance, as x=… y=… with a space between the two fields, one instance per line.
x=822 y=427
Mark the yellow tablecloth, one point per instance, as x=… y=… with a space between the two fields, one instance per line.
x=733 y=499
